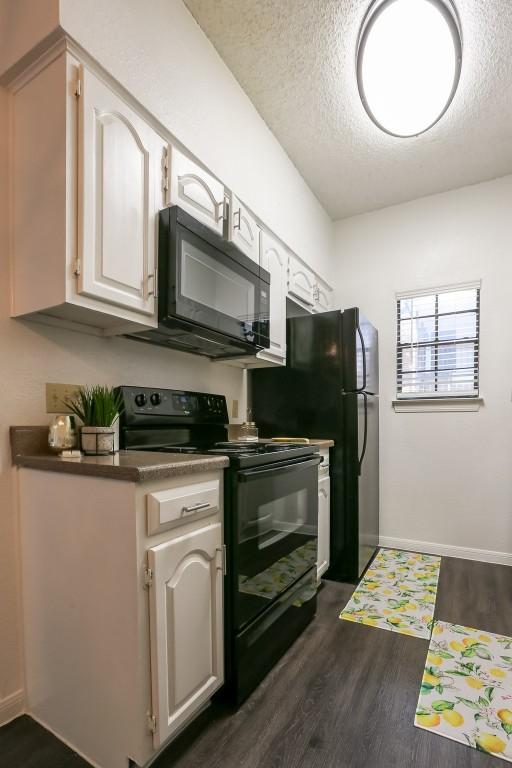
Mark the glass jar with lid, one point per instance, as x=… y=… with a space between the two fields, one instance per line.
x=248 y=432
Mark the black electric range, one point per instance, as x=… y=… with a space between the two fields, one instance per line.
x=270 y=523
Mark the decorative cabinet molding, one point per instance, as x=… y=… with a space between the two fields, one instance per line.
x=196 y=191
x=301 y=282
x=120 y=186
x=274 y=260
x=186 y=627
x=324 y=297
x=244 y=230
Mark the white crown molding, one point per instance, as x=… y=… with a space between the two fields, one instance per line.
x=447 y=550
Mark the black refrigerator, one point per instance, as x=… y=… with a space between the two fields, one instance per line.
x=329 y=388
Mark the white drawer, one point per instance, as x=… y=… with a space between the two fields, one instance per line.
x=176 y=506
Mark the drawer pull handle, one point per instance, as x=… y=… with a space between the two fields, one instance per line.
x=195 y=508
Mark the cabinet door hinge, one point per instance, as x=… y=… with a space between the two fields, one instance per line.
x=151 y=722
x=223 y=558
x=165 y=176
x=78 y=87
x=148 y=577
x=77 y=268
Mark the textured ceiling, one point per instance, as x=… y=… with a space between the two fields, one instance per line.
x=295 y=60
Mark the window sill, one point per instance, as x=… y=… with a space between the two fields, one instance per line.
x=448 y=404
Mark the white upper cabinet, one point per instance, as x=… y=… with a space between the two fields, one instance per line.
x=243 y=230
x=196 y=191
x=186 y=626
x=301 y=282
x=324 y=297
x=274 y=260
x=120 y=193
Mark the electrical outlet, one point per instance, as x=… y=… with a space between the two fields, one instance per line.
x=234 y=409
x=56 y=394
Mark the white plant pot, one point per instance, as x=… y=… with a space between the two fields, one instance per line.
x=97 y=441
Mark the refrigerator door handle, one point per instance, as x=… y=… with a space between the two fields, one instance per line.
x=365 y=435
x=363 y=352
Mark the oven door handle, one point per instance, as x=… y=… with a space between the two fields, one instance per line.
x=245 y=475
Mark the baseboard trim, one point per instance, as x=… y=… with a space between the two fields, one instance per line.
x=447 y=550
x=64 y=741
x=11 y=707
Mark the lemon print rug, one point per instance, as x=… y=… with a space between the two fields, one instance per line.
x=466 y=692
x=398 y=592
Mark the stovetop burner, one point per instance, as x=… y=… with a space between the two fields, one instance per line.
x=228 y=448
x=242 y=454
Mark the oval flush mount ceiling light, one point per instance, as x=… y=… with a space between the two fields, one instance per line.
x=409 y=57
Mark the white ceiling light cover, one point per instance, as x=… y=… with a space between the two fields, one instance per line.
x=408 y=63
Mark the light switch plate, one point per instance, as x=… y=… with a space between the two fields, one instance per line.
x=56 y=394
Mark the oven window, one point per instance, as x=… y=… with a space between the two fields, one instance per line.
x=211 y=283
x=277 y=514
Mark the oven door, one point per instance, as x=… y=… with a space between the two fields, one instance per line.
x=216 y=290
x=274 y=537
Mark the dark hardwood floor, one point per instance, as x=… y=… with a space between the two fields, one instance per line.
x=344 y=696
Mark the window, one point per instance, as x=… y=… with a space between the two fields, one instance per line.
x=437 y=342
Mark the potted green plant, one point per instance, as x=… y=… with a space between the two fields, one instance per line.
x=97 y=408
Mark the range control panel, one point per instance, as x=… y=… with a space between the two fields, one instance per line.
x=143 y=405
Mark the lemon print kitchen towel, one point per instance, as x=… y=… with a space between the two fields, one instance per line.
x=466 y=691
x=398 y=592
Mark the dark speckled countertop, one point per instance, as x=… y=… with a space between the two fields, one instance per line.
x=30 y=449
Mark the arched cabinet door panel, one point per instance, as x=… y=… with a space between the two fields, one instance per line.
x=323 y=298
x=186 y=624
x=244 y=230
x=274 y=260
x=120 y=193
x=301 y=282
x=196 y=191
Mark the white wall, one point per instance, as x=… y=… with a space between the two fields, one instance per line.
x=23 y=24
x=445 y=477
x=158 y=52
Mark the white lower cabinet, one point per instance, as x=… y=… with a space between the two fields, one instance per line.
x=186 y=625
x=129 y=645
x=324 y=524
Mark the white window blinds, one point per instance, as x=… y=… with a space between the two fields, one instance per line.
x=437 y=342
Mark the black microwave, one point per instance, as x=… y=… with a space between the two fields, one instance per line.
x=212 y=299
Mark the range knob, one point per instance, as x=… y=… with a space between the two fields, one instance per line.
x=155 y=398
x=140 y=399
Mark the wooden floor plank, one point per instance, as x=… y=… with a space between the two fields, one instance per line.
x=344 y=695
